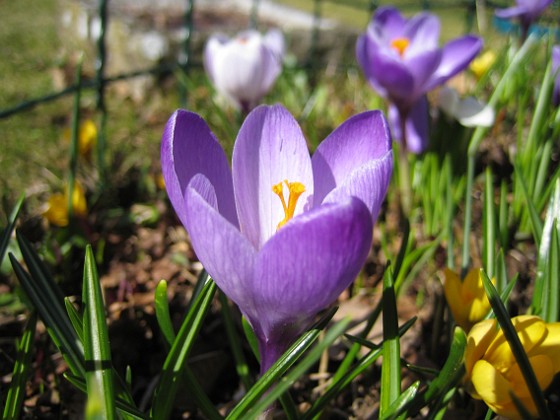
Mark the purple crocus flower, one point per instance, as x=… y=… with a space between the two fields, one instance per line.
x=556 y=71
x=402 y=61
x=281 y=233
x=527 y=11
x=244 y=68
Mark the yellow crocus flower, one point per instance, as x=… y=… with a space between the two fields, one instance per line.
x=466 y=299
x=57 y=206
x=480 y=65
x=492 y=373
x=87 y=137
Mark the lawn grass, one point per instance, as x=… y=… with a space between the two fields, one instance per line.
x=356 y=14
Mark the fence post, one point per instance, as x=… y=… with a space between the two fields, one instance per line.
x=185 y=55
x=100 y=84
x=253 y=20
x=314 y=36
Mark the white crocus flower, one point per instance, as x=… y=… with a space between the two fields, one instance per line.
x=244 y=68
x=469 y=111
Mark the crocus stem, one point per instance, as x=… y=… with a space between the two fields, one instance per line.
x=404 y=170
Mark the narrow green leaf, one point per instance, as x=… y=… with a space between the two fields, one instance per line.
x=47 y=299
x=22 y=368
x=448 y=377
x=173 y=366
x=488 y=225
x=399 y=405
x=551 y=306
x=99 y=373
x=189 y=379
x=162 y=312
x=125 y=409
x=536 y=224
x=391 y=365
x=75 y=318
x=503 y=216
x=343 y=382
x=273 y=375
x=251 y=338
x=235 y=344
x=516 y=347
x=544 y=278
x=297 y=372
x=8 y=230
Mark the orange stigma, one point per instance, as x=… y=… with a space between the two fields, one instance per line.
x=295 y=190
x=400 y=45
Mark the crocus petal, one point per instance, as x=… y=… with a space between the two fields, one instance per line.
x=188 y=147
x=472 y=113
x=309 y=262
x=543 y=368
x=269 y=149
x=556 y=72
x=361 y=139
x=551 y=345
x=388 y=21
x=212 y=48
x=454 y=298
x=229 y=260
x=390 y=72
x=479 y=338
x=511 y=12
x=424 y=65
x=274 y=40
x=456 y=56
x=531 y=331
x=490 y=384
x=423 y=32
x=416 y=126
x=369 y=183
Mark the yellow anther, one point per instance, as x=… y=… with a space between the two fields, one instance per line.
x=295 y=190
x=400 y=45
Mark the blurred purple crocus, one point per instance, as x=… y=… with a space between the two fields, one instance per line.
x=244 y=68
x=402 y=61
x=281 y=233
x=556 y=71
x=527 y=11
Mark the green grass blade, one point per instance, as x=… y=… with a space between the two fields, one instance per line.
x=189 y=379
x=47 y=299
x=162 y=312
x=8 y=230
x=75 y=318
x=551 y=306
x=174 y=364
x=251 y=338
x=399 y=405
x=22 y=368
x=125 y=409
x=391 y=365
x=544 y=279
x=536 y=224
x=99 y=374
x=488 y=226
x=503 y=216
x=448 y=377
x=297 y=372
x=516 y=347
x=281 y=366
x=235 y=344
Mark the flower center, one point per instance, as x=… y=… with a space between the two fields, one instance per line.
x=295 y=190
x=400 y=45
